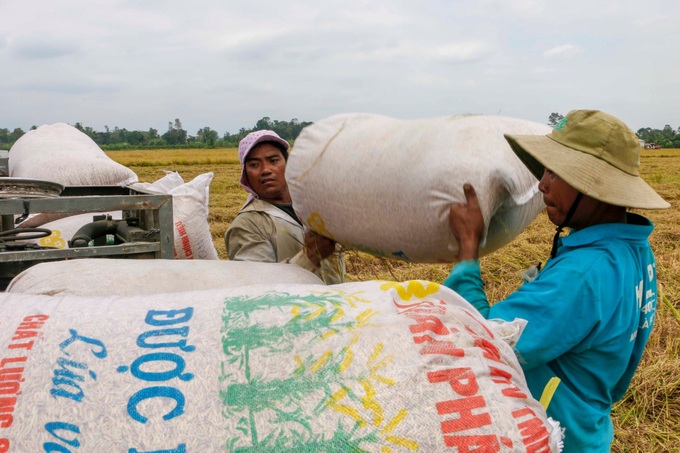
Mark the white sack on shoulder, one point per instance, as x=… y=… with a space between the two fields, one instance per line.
x=121 y=277
x=63 y=154
x=374 y=367
x=384 y=185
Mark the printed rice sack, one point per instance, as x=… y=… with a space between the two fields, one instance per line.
x=126 y=277
x=63 y=154
x=190 y=201
x=374 y=367
x=384 y=185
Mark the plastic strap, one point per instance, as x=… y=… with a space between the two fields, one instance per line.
x=549 y=391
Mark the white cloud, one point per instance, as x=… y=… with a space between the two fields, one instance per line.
x=543 y=70
x=245 y=38
x=227 y=63
x=563 y=51
x=650 y=21
x=41 y=48
x=528 y=7
x=429 y=80
x=461 y=52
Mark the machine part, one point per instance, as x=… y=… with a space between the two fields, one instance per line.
x=9 y=239
x=4 y=162
x=22 y=246
x=149 y=233
x=24 y=234
x=29 y=188
x=105 y=231
x=22 y=217
x=95 y=233
x=129 y=231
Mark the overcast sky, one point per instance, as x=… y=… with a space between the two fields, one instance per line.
x=226 y=63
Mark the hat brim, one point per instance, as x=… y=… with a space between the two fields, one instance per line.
x=584 y=172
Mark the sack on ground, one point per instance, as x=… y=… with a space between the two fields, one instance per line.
x=375 y=367
x=128 y=277
x=384 y=185
x=61 y=153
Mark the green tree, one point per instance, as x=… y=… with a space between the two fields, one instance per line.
x=16 y=134
x=264 y=123
x=4 y=138
x=175 y=134
x=287 y=130
x=97 y=137
x=135 y=138
x=207 y=137
x=666 y=138
x=8 y=138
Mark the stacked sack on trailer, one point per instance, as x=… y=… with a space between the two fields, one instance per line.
x=373 y=366
x=115 y=277
x=190 y=202
x=63 y=154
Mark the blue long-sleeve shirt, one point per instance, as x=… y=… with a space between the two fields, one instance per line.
x=590 y=312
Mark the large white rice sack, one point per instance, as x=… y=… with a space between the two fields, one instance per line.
x=190 y=202
x=63 y=154
x=384 y=185
x=372 y=367
x=128 y=277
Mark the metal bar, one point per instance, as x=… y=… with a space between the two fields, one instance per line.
x=130 y=248
x=167 y=234
x=75 y=205
x=79 y=191
x=7 y=222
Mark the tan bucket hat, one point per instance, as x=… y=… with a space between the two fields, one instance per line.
x=596 y=154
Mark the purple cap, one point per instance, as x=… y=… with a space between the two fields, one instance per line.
x=247 y=144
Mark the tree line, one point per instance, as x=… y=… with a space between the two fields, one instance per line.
x=175 y=137
x=178 y=137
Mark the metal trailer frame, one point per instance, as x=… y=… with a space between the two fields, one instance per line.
x=153 y=210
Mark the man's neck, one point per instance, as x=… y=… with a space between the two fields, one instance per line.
x=288 y=209
x=593 y=212
x=283 y=199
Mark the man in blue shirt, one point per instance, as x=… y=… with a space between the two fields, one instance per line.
x=591 y=309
